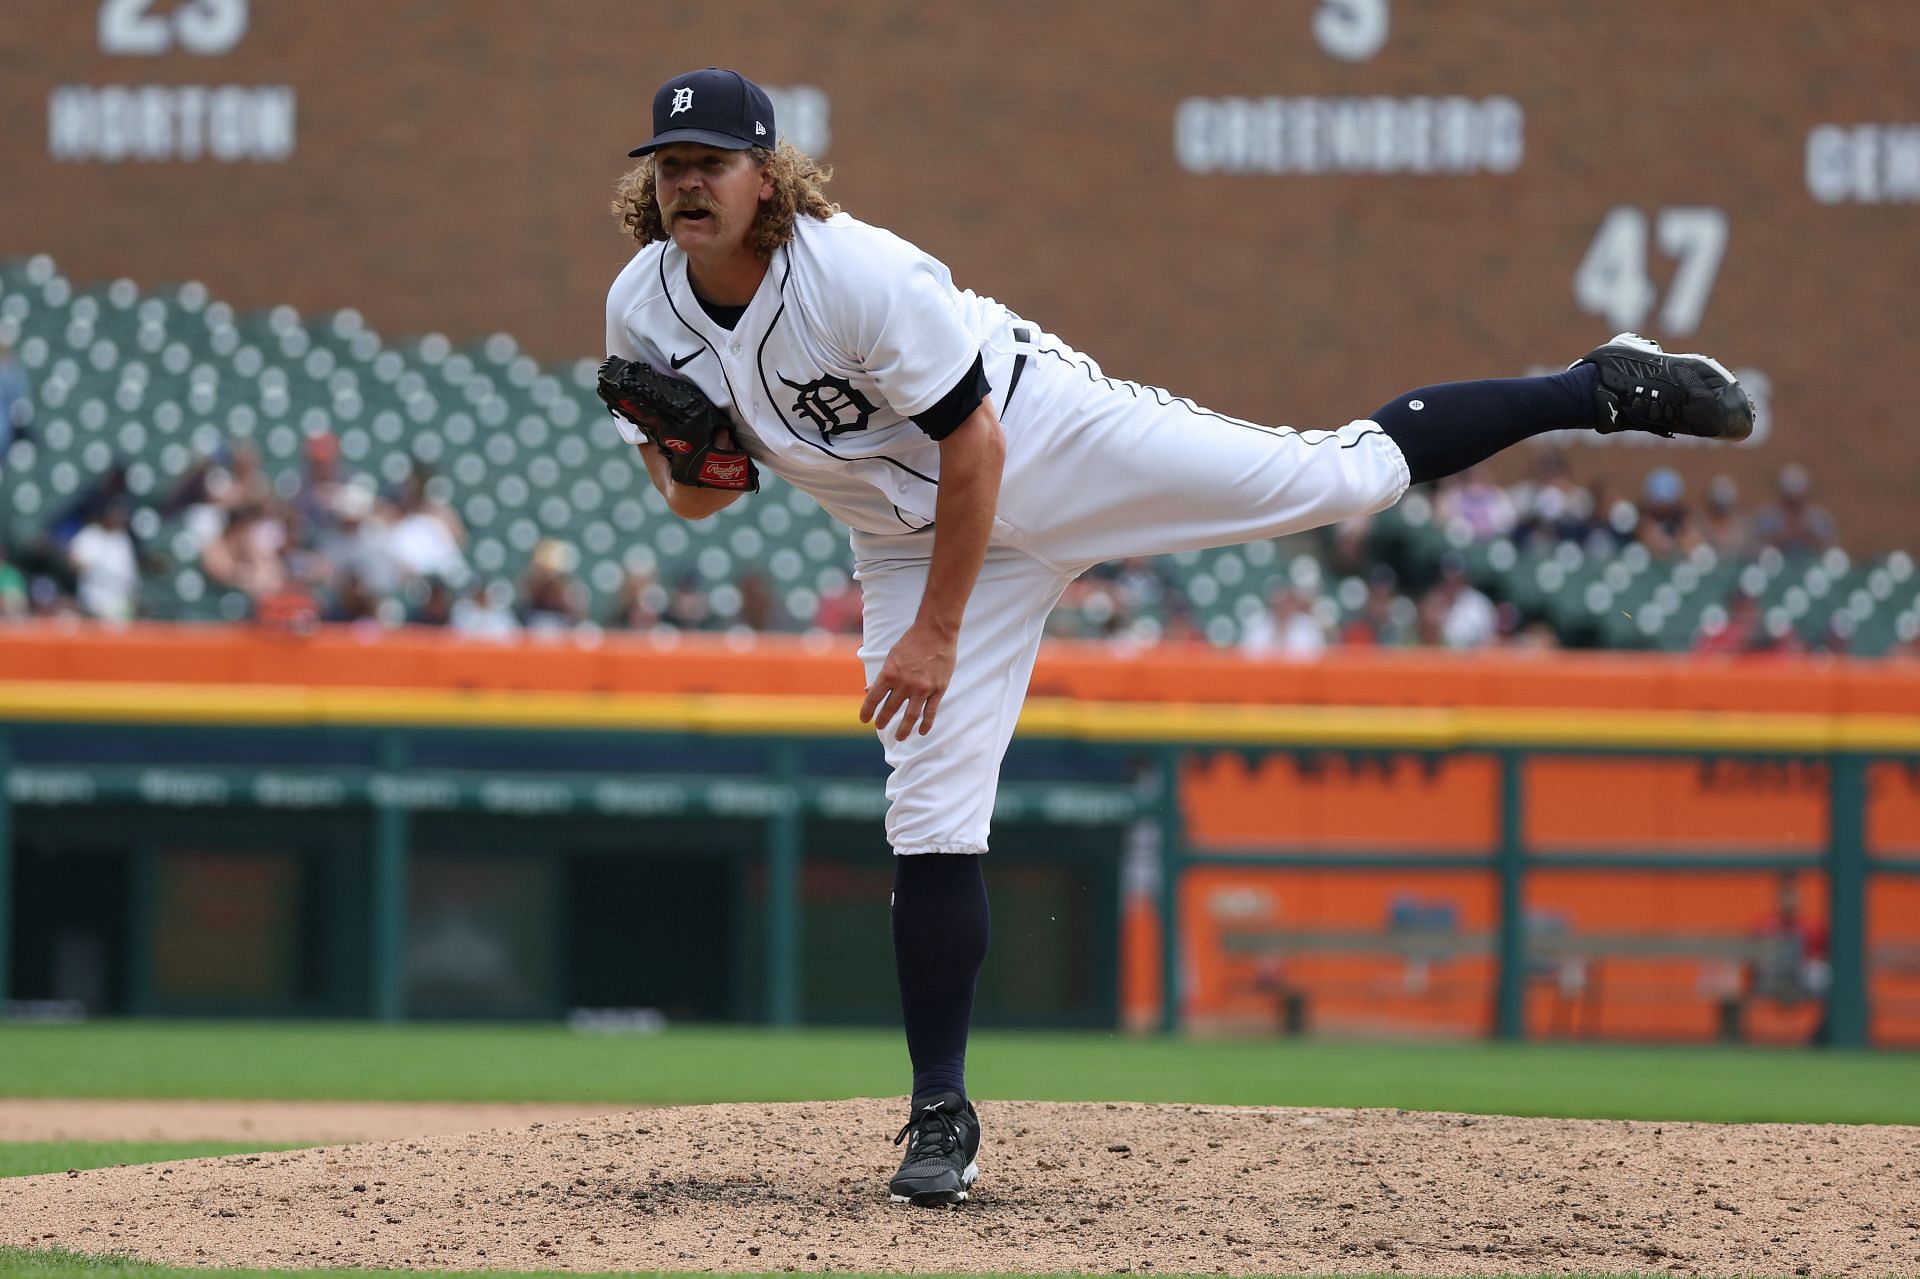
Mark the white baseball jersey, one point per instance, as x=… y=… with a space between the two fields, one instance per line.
x=853 y=332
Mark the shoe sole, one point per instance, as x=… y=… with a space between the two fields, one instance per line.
x=941 y=1198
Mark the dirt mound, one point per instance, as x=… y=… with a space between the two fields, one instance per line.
x=1063 y=1187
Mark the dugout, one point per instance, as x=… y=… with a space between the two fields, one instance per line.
x=474 y=874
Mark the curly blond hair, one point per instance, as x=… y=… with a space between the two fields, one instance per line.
x=797 y=179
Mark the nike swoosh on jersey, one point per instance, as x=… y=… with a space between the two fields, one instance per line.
x=681 y=361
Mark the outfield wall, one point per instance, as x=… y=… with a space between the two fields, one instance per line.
x=1342 y=865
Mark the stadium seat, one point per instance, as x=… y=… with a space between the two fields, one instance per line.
x=154 y=377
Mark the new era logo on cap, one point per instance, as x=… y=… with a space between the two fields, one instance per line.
x=714 y=107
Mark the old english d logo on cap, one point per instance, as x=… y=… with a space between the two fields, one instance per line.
x=714 y=107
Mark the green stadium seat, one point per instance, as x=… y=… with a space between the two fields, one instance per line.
x=157 y=377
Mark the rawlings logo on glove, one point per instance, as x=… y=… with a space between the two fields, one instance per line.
x=681 y=421
x=725 y=471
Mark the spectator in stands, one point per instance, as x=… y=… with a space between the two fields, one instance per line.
x=291 y=608
x=194 y=488
x=193 y=503
x=688 y=608
x=16 y=399
x=243 y=482
x=45 y=598
x=641 y=600
x=1744 y=626
x=106 y=565
x=1549 y=507
x=230 y=481
x=350 y=600
x=316 y=507
x=433 y=605
x=428 y=493
x=88 y=507
x=1779 y=633
x=1291 y=628
x=1115 y=599
x=1455 y=613
x=759 y=608
x=1178 y=626
x=1347 y=545
x=487 y=611
x=839 y=612
x=1837 y=635
x=1140 y=585
x=1537 y=635
x=1471 y=501
x=1723 y=525
x=245 y=556
x=1734 y=628
x=1387 y=617
x=1665 y=526
x=426 y=539
x=1616 y=520
x=356 y=544
x=550 y=598
x=1793 y=523
x=13 y=588
x=1088 y=609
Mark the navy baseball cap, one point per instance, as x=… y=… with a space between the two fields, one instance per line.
x=718 y=108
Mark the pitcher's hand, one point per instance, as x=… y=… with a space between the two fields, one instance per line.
x=911 y=682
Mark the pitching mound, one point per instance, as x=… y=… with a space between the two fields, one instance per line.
x=1063 y=1187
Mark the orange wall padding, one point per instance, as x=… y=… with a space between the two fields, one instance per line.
x=342 y=656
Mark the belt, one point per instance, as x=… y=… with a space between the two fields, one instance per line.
x=1020 y=334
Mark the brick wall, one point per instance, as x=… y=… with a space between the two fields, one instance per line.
x=449 y=164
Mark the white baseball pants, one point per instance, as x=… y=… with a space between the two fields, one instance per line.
x=1097 y=469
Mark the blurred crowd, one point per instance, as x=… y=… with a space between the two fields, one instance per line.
x=324 y=546
x=1402 y=604
x=332 y=548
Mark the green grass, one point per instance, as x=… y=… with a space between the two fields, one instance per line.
x=27 y=1158
x=357 y=1060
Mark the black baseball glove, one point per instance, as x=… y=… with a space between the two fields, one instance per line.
x=681 y=421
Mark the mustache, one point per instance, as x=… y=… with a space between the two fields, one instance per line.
x=688 y=204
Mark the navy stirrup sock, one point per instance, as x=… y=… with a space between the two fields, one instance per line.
x=1448 y=427
x=939 y=941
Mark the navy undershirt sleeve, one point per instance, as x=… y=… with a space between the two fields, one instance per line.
x=1446 y=428
x=946 y=414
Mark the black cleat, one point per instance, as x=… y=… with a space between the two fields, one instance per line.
x=1642 y=388
x=943 y=1138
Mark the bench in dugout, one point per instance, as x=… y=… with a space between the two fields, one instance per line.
x=1747 y=969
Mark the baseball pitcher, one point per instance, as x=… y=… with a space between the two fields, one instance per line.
x=981 y=464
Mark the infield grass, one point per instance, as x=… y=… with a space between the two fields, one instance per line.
x=27 y=1158
x=491 y=1062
